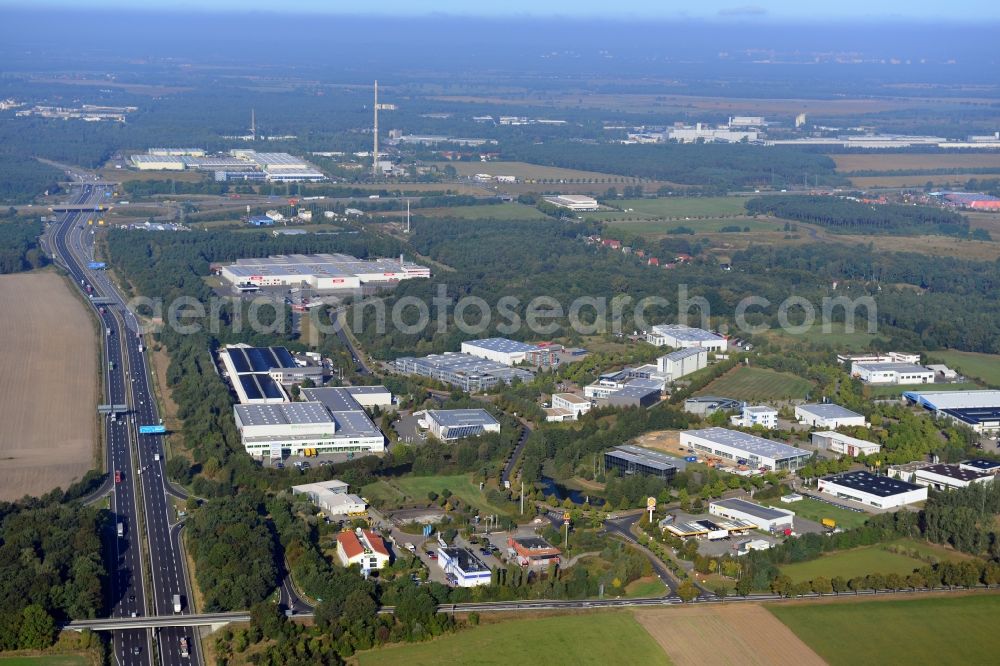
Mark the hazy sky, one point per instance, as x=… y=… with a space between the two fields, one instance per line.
x=955 y=10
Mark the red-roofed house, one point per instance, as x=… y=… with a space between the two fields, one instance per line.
x=610 y=242
x=363 y=548
x=653 y=261
x=531 y=551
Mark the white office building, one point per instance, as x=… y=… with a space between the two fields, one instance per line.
x=463 y=568
x=682 y=362
x=683 y=337
x=448 y=424
x=892 y=373
x=499 y=350
x=756 y=415
x=766 y=518
x=828 y=416
x=567 y=407
x=880 y=492
x=948 y=477
x=740 y=447
x=844 y=444
x=332 y=497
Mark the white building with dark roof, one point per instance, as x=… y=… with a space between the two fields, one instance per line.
x=743 y=448
x=683 y=337
x=764 y=416
x=980 y=410
x=766 y=518
x=845 y=444
x=828 y=416
x=880 y=492
x=949 y=477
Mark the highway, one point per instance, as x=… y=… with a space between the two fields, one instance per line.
x=143 y=489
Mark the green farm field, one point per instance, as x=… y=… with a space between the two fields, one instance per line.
x=850 y=563
x=937 y=630
x=417 y=487
x=660 y=228
x=758 y=384
x=680 y=207
x=503 y=211
x=594 y=638
x=816 y=511
x=837 y=338
x=985 y=367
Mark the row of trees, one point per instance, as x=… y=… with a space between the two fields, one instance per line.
x=19 y=249
x=856 y=217
x=968 y=573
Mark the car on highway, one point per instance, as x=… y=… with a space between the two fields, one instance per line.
x=118 y=476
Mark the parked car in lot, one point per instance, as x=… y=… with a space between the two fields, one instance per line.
x=431 y=554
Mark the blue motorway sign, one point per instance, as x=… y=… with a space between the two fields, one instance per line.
x=96 y=265
x=152 y=430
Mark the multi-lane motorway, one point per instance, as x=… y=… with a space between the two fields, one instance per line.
x=139 y=587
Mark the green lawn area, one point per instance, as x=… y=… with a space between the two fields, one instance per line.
x=954 y=630
x=461 y=485
x=661 y=228
x=503 y=211
x=46 y=660
x=850 y=563
x=894 y=390
x=646 y=587
x=816 y=511
x=674 y=207
x=838 y=338
x=985 y=367
x=381 y=490
x=593 y=638
x=758 y=384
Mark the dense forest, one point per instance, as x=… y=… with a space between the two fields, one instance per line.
x=715 y=166
x=848 y=216
x=23 y=178
x=19 y=249
x=51 y=569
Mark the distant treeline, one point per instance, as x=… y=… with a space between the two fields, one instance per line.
x=22 y=179
x=19 y=249
x=856 y=217
x=718 y=167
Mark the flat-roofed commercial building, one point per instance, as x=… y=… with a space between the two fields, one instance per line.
x=637 y=393
x=628 y=460
x=533 y=551
x=321 y=271
x=500 y=350
x=463 y=568
x=332 y=497
x=764 y=518
x=574 y=202
x=740 y=447
x=845 y=444
x=289 y=428
x=448 y=424
x=881 y=492
x=571 y=402
x=682 y=362
x=756 y=415
x=948 y=477
x=892 y=373
x=981 y=465
x=980 y=410
x=370 y=396
x=470 y=373
x=828 y=415
x=683 y=337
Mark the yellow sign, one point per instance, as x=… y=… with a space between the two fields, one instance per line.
x=566 y=516
x=651 y=503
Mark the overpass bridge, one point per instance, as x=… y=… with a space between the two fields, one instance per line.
x=79 y=208
x=215 y=620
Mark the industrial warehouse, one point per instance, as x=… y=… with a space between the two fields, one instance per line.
x=683 y=337
x=256 y=373
x=320 y=271
x=881 y=492
x=740 y=447
x=236 y=165
x=828 y=416
x=628 y=459
x=470 y=373
x=769 y=519
x=449 y=424
x=980 y=410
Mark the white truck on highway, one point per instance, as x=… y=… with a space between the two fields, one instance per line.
x=121 y=530
x=177 y=603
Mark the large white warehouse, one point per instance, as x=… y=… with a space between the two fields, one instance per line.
x=500 y=350
x=321 y=271
x=682 y=337
x=828 y=415
x=892 y=373
x=736 y=446
x=682 y=362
